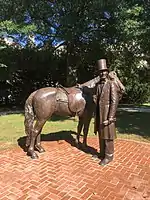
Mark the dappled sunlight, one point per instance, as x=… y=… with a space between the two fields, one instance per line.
x=136 y=123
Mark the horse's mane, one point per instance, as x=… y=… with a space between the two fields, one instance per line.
x=112 y=76
x=91 y=83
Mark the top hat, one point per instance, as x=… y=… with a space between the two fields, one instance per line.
x=101 y=65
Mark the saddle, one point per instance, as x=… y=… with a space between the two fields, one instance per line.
x=72 y=96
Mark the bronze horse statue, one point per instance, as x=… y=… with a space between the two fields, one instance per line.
x=45 y=102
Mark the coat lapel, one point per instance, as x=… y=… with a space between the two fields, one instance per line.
x=102 y=92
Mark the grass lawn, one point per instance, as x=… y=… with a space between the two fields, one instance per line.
x=144 y=105
x=133 y=126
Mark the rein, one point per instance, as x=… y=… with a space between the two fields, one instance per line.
x=62 y=87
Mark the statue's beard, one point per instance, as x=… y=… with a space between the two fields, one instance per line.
x=103 y=79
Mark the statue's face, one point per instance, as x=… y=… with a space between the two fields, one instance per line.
x=103 y=75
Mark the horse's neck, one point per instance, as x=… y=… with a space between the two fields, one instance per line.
x=92 y=83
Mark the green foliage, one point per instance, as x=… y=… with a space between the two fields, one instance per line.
x=88 y=30
x=4 y=75
x=13 y=28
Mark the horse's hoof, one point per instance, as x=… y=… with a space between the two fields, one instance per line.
x=40 y=149
x=33 y=155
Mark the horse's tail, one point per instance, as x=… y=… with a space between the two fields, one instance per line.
x=29 y=117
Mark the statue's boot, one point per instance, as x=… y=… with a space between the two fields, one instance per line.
x=109 y=152
x=108 y=158
x=100 y=155
x=102 y=149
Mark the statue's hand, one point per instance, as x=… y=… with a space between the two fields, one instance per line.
x=95 y=99
x=106 y=122
x=111 y=120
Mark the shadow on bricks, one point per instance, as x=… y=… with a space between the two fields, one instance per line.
x=58 y=136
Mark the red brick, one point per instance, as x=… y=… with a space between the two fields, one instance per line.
x=65 y=172
x=67 y=197
x=74 y=198
x=5 y=198
x=123 y=190
x=23 y=197
x=86 y=195
x=105 y=193
x=53 y=196
x=110 y=197
x=62 y=194
x=44 y=195
x=75 y=194
x=95 y=197
x=81 y=184
x=32 y=187
x=83 y=189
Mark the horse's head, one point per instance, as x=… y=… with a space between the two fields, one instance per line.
x=113 y=76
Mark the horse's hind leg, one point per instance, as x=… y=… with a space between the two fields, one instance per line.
x=79 y=129
x=27 y=141
x=34 y=133
x=38 y=143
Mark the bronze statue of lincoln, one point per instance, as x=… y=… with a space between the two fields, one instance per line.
x=107 y=97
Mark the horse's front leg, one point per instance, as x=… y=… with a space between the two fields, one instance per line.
x=85 y=131
x=79 y=129
x=27 y=141
x=34 y=133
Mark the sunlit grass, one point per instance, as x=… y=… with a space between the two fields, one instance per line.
x=146 y=104
x=133 y=126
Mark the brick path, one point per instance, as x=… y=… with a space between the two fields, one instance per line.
x=64 y=172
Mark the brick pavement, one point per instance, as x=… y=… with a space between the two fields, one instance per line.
x=64 y=172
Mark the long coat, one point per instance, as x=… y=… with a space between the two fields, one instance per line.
x=107 y=100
